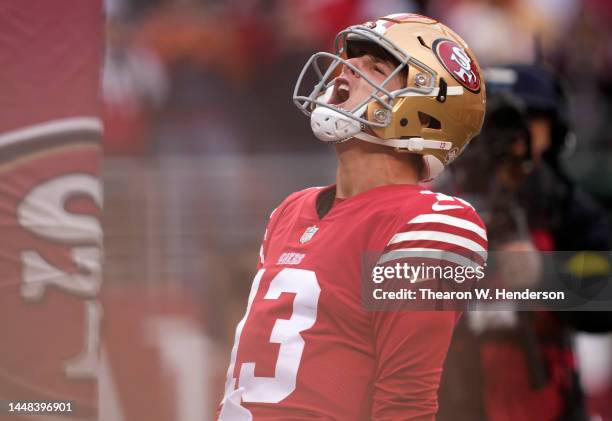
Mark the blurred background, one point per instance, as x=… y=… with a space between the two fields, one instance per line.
x=202 y=141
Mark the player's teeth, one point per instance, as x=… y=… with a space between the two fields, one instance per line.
x=344 y=87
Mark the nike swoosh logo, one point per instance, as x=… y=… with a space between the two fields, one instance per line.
x=439 y=208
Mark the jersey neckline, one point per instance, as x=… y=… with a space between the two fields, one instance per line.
x=369 y=194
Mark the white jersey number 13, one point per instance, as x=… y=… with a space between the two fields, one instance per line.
x=304 y=284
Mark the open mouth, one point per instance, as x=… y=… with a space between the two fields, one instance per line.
x=341 y=92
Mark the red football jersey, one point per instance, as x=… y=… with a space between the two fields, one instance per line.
x=307 y=348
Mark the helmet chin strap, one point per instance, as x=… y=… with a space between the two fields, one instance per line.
x=410 y=144
x=330 y=126
x=432 y=165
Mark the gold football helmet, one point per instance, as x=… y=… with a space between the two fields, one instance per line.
x=440 y=109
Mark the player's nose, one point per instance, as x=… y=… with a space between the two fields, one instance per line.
x=357 y=62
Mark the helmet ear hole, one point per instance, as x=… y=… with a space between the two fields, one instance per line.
x=429 y=121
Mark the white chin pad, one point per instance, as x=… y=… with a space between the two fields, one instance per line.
x=331 y=126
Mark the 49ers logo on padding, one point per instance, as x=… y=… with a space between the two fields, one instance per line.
x=458 y=63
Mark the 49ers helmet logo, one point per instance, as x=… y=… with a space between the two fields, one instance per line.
x=458 y=63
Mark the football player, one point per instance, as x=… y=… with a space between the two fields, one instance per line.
x=400 y=98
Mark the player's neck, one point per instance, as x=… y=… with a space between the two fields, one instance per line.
x=363 y=166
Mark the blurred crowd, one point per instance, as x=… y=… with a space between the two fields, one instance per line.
x=199 y=93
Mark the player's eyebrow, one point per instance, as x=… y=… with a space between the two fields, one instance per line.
x=381 y=61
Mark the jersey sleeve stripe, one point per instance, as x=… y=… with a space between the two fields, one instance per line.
x=442 y=237
x=428 y=253
x=447 y=229
x=477 y=256
x=449 y=220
